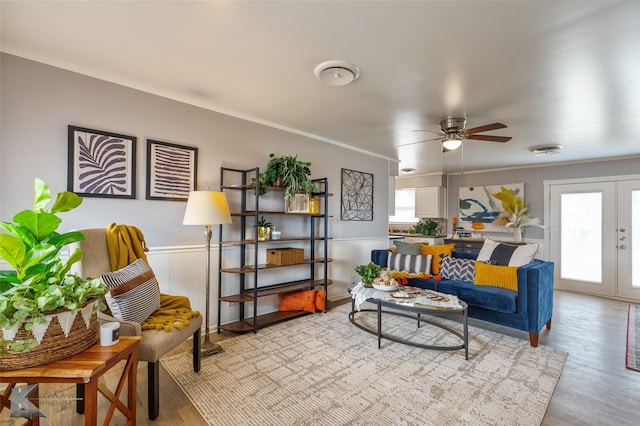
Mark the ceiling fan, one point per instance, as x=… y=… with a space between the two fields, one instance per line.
x=452 y=133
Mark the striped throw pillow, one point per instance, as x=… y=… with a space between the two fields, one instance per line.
x=134 y=293
x=408 y=262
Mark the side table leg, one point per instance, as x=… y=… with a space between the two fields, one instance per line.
x=91 y=402
x=379 y=323
x=80 y=398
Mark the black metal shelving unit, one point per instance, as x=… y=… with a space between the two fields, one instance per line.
x=245 y=207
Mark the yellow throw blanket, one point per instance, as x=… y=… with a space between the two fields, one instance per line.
x=126 y=244
x=174 y=311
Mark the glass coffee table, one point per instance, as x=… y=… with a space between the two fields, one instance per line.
x=414 y=303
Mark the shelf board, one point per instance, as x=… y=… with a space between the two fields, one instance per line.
x=248 y=296
x=246 y=325
x=249 y=269
x=281 y=240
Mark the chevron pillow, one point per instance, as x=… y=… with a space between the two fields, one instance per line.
x=453 y=268
x=134 y=293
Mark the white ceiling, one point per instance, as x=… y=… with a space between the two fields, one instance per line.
x=564 y=72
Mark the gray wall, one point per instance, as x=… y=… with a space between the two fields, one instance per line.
x=533 y=179
x=40 y=101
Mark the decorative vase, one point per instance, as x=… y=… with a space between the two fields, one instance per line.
x=298 y=203
x=264 y=233
x=517 y=235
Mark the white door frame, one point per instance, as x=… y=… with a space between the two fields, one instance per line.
x=548 y=215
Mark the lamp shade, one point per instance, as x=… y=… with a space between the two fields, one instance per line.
x=206 y=208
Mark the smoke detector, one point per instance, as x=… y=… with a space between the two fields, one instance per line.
x=337 y=73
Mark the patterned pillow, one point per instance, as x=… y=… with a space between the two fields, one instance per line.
x=502 y=254
x=453 y=268
x=134 y=293
x=410 y=263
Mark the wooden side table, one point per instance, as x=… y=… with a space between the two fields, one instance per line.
x=85 y=369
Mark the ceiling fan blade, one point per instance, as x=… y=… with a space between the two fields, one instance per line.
x=439 y=132
x=485 y=128
x=490 y=138
x=414 y=143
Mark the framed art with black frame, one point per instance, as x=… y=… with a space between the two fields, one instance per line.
x=101 y=164
x=357 y=196
x=171 y=171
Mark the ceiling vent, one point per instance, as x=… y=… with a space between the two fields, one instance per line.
x=337 y=73
x=546 y=149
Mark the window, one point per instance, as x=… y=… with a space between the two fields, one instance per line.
x=405 y=206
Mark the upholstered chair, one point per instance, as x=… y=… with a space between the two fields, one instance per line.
x=154 y=343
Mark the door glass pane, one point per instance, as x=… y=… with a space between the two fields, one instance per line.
x=581 y=236
x=634 y=244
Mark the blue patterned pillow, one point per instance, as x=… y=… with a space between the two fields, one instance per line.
x=452 y=268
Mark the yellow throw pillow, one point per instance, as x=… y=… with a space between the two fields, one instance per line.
x=436 y=251
x=496 y=276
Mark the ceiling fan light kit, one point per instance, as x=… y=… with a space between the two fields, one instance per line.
x=452 y=142
x=337 y=73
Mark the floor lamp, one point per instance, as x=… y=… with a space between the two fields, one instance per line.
x=207 y=208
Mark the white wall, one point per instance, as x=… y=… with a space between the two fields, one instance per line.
x=39 y=102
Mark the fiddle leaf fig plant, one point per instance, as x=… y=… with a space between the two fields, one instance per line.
x=40 y=281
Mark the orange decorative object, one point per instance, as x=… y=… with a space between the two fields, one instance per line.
x=454 y=220
x=477 y=225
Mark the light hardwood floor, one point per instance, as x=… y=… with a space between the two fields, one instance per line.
x=595 y=387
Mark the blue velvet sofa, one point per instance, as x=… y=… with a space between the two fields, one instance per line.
x=528 y=309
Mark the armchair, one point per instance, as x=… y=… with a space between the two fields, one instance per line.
x=154 y=343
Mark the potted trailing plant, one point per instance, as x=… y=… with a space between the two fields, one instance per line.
x=39 y=288
x=264 y=229
x=289 y=172
x=368 y=273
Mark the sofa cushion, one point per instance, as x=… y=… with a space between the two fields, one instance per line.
x=490 y=298
x=407 y=248
x=457 y=269
x=496 y=276
x=504 y=254
x=134 y=293
x=436 y=251
x=410 y=263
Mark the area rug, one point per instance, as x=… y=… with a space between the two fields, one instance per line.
x=633 y=338
x=322 y=370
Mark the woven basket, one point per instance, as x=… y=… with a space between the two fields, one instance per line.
x=54 y=345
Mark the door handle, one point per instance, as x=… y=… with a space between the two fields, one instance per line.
x=623 y=238
x=622 y=247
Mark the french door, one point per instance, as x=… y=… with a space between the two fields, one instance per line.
x=594 y=236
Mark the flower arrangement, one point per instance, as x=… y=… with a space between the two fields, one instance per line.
x=514 y=214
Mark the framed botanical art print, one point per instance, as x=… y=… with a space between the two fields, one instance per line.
x=101 y=164
x=171 y=171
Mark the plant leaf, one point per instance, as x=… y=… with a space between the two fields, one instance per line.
x=12 y=250
x=39 y=224
x=66 y=201
x=41 y=195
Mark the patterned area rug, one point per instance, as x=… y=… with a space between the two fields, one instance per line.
x=633 y=338
x=322 y=370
